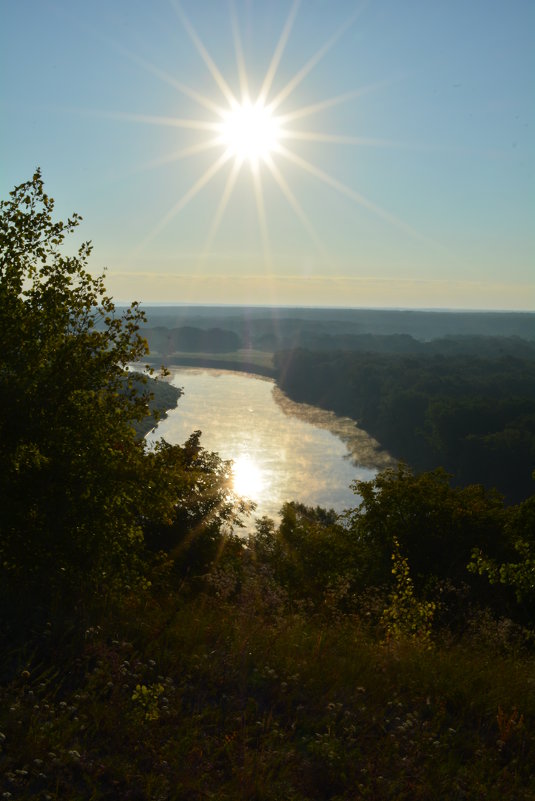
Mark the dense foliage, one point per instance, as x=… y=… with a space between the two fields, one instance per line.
x=473 y=416
x=71 y=463
x=452 y=345
x=77 y=483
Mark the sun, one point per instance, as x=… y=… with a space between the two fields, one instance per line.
x=251 y=132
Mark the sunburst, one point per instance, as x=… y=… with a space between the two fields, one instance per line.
x=251 y=132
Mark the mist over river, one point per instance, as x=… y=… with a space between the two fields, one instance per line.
x=282 y=451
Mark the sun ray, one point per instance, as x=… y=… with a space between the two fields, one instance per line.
x=203 y=52
x=272 y=69
x=177 y=155
x=166 y=78
x=207 y=176
x=261 y=211
x=151 y=119
x=238 y=49
x=361 y=141
x=147 y=65
x=311 y=63
x=348 y=192
x=296 y=206
x=225 y=197
x=313 y=136
x=314 y=108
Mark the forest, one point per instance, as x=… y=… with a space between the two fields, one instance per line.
x=472 y=415
x=151 y=652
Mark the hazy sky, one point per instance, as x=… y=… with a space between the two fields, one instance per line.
x=396 y=168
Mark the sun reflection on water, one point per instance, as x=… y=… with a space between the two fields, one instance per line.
x=248 y=478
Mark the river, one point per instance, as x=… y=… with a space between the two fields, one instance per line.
x=282 y=451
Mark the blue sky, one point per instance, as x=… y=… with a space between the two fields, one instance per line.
x=433 y=206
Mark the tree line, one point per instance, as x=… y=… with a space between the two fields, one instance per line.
x=474 y=416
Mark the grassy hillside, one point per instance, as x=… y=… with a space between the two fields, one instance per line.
x=235 y=693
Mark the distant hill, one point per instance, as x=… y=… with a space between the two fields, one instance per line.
x=190 y=339
x=279 y=328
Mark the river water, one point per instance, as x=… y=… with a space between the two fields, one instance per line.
x=278 y=455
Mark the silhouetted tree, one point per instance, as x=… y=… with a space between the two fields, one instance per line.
x=71 y=482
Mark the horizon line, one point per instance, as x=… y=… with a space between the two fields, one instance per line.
x=437 y=309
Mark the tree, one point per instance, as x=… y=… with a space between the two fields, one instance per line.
x=194 y=487
x=72 y=478
x=80 y=491
x=518 y=569
x=436 y=525
x=311 y=554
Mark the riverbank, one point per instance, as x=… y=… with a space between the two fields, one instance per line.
x=365 y=450
x=244 y=361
